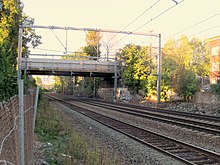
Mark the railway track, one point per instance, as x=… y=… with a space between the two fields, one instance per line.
x=164 y=111
x=184 y=152
x=203 y=123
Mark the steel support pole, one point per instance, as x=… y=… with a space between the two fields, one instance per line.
x=73 y=84
x=35 y=106
x=25 y=69
x=94 y=86
x=21 y=119
x=159 y=70
x=19 y=51
x=115 y=81
x=84 y=94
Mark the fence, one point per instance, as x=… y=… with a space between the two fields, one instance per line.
x=9 y=131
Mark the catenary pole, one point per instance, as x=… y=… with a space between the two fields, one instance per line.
x=19 y=51
x=35 y=106
x=21 y=119
x=159 y=70
x=115 y=80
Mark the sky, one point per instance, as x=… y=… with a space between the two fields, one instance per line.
x=116 y=15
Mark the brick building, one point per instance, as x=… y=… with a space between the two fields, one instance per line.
x=214 y=49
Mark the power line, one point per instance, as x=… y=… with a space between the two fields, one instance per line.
x=153 y=18
x=141 y=14
x=157 y=16
x=137 y=17
x=50 y=50
x=213 y=27
x=196 y=24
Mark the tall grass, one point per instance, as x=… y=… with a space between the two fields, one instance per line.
x=65 y=146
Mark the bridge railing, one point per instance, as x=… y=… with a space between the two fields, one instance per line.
x=64 y=63
x=70 y=57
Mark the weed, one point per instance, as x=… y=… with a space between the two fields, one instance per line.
x=62 y=144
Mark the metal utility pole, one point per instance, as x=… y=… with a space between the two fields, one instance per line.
x=19 y=51
x=115 y=81
x=73 y=84
x=35 y=106
x=21 y=97
x=66 y=43
x=150 y=57
x=21 y=119
x=159 y=70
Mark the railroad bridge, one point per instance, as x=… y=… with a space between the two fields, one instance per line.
x=44 y=64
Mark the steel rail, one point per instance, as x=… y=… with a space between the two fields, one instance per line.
x=188 y=123
x=181 y=151
x=161 y=110
x=202 y=126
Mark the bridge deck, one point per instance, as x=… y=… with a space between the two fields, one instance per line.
x=38 y=66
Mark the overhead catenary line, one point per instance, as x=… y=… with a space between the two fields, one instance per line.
x=213 y=27
x=137 y=17
x=157 y=16
x=49 y=50
x=191 y=26
x=196 y=33
x=141 y=14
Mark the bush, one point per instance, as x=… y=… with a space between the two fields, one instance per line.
x=216 y=87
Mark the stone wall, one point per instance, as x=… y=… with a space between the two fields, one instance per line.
x=106 y=93
x=206 y=97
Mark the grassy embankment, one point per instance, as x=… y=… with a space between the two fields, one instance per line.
x=63 y=145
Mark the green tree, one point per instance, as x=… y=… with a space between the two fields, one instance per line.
x=184 y=52
x=10 y=18
x=187 y=84
x=38 y=81
x=200 y=59
x=183 y=61
x=93 y=44
x=93 y=41
x=136 y=61
x=170 y=64
x=151 y=85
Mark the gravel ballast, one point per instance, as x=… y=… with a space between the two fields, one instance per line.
x=129 y=151
x=200 y=139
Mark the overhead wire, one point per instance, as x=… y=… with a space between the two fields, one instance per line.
x=50 y=50
x=213 y=27
x=137 y=17
x=157 y=16
x=208 y=29
x=191 y=26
